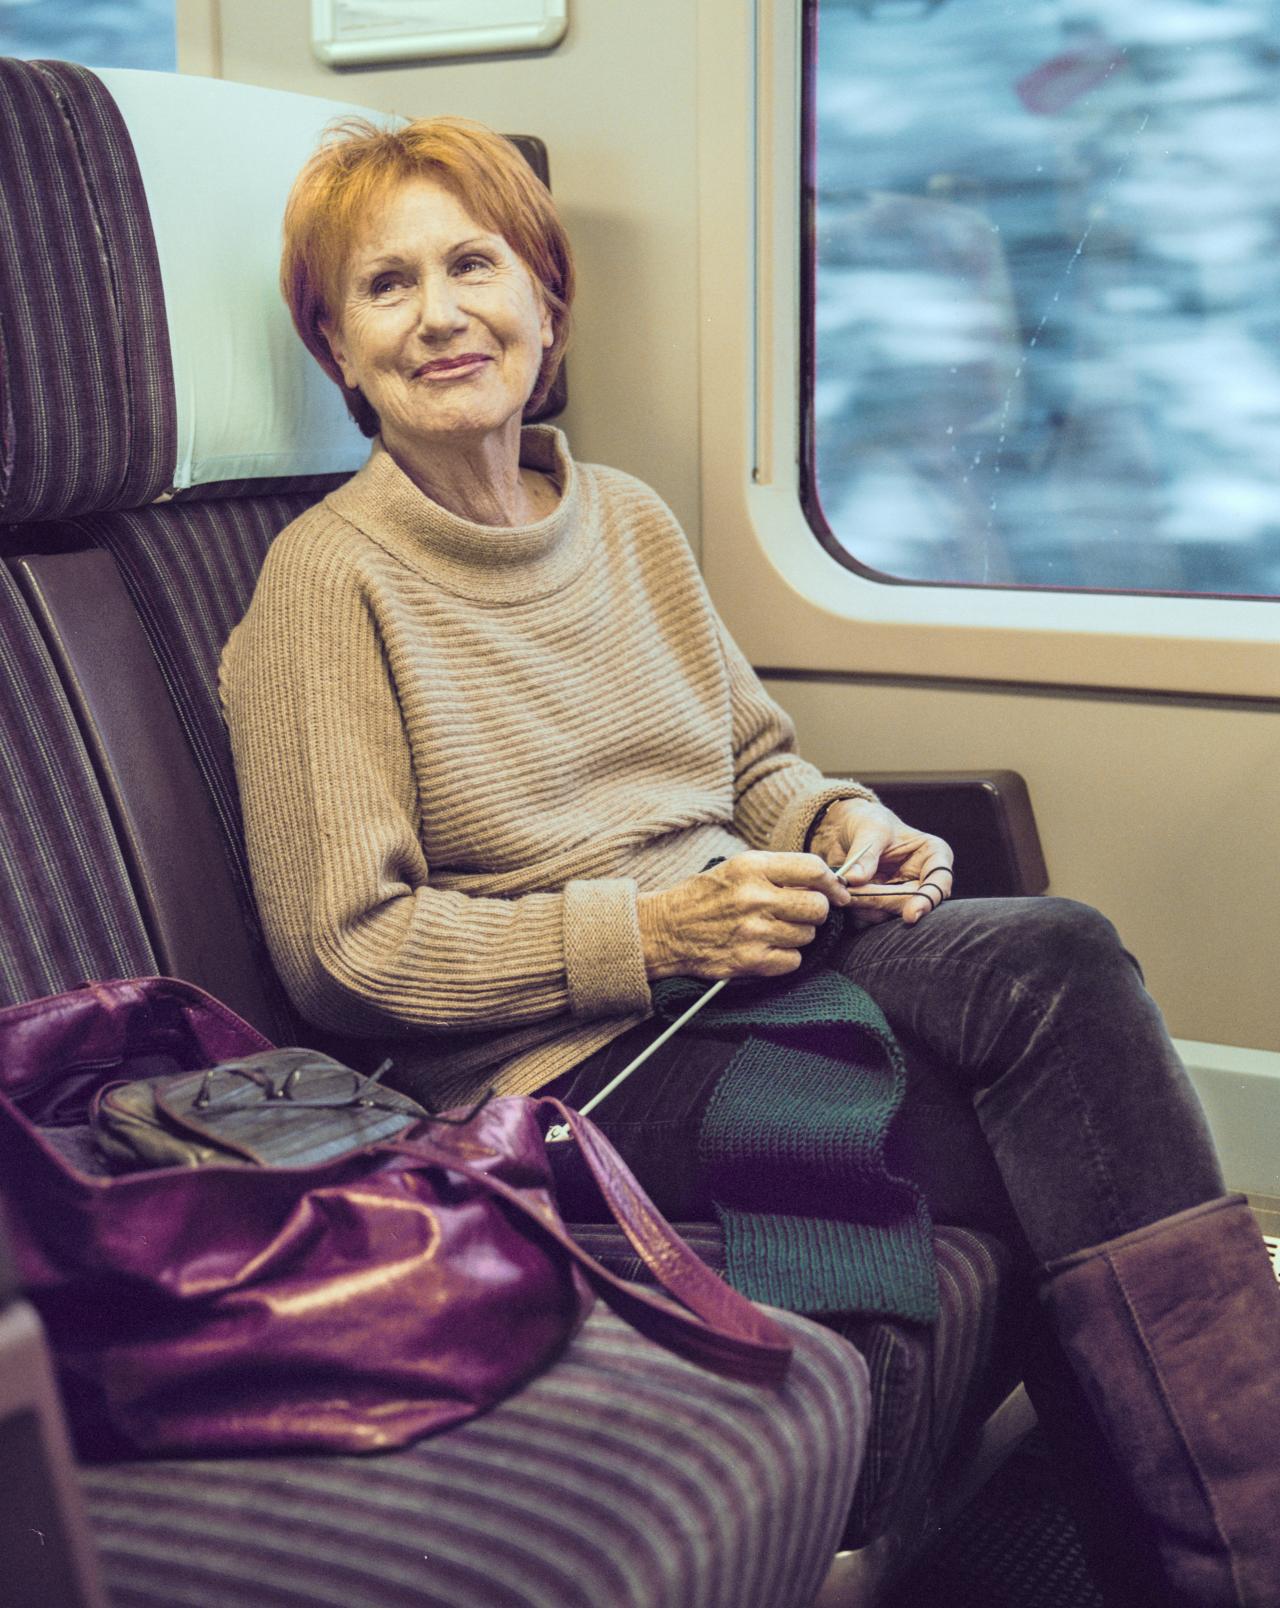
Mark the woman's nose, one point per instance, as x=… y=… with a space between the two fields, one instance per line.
x=439 y=309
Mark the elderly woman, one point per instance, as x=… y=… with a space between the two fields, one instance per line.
x=503 y=769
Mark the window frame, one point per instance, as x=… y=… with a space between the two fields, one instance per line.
x=789 y=602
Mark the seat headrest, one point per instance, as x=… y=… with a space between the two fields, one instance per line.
x=217 y=160
x=144 y=346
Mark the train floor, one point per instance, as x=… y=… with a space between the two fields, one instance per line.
x=1014 y=1546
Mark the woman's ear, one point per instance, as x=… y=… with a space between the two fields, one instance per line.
x=547 y=327
x=337 y=350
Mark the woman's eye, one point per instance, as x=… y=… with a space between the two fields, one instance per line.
x=471 y=264
x=384 y=284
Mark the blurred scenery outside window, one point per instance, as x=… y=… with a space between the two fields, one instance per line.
x=1045 y=330
x=96 y=33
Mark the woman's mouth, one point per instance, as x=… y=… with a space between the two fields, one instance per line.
x=452 y=368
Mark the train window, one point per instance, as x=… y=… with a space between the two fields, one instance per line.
x=1042 y=327
x=99 y=33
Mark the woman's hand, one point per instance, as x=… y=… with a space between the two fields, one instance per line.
x=750 y=915
x=871 y=848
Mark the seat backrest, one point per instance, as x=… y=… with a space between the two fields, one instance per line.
x=115 y=400
x=162 y=424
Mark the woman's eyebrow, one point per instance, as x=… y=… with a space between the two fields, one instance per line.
x=488 y=241
x=391 y=257
x=383 y=259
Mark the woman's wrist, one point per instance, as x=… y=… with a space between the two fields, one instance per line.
x=655 y=936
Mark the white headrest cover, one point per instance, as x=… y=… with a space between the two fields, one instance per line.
x=217 y=162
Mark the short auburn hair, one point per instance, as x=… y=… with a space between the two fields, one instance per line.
x=359 y=165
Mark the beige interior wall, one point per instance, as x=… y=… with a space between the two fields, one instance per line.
x=1163 y=814
x=615 y=103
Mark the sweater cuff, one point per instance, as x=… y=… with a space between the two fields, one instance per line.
x=794 y=828
x=603 y=954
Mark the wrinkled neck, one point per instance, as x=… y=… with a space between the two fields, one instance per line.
x=478 y=478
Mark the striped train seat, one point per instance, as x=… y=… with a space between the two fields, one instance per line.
x=137 y=505
x=622 y=1475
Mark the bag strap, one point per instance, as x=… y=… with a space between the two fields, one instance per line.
x=673 y=1263
x=722 y=1330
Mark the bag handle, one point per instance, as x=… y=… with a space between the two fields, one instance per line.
x=722 y=1330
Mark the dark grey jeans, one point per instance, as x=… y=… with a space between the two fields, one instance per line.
x=1044 y=1099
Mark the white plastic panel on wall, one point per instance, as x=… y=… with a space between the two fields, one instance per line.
x=346 y=33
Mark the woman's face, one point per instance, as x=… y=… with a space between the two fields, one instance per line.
x=441 y=325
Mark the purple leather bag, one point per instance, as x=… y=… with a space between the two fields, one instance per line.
x=349 y=1306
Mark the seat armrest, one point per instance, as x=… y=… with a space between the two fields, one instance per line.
x=985 y=816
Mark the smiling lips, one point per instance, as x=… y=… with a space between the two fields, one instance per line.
x=451 y=368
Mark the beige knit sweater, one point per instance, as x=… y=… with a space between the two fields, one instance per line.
x=462 y=750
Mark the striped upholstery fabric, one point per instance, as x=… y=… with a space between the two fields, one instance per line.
x=86 y=393
x=622 y=1478
x=978 y=1283
x=68 y=914
x=928 y=1386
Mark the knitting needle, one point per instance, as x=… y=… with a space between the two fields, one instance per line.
x=843 y=872
x=871 y=890
x=560 y=1132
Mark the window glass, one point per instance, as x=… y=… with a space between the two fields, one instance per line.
x=1044 y=331
x=98 y=33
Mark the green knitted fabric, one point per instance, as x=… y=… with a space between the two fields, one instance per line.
x=793 y=1143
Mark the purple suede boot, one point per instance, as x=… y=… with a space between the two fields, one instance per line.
x=1173 y=1332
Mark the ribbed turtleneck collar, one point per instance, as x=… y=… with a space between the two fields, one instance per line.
x=490 y=563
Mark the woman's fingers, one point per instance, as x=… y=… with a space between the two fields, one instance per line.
x=807 y=908
x=794 y=871
x=756 y=912
x=933 y=886
x=789 y=934
x=910 y=898
x=883 y=898
x=749 y=914
x=871 y=917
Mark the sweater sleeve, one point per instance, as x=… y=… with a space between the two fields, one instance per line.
x=778 y=796
x=362 y=940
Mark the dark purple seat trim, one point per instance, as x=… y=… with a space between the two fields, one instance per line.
x=67 y=912
x=170 y=837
